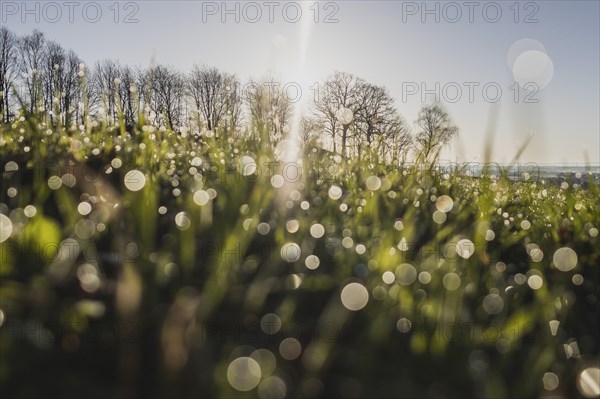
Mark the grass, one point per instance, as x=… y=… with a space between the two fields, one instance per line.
x=157 y=292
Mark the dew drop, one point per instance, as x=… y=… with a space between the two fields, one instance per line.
x=335 y=192
x=465 y=248
x=292 y=226
x=263 y=228
x=312 y=262
x=345 y=115
x=30 y=211
x=54 y=182
x=388 y=277
x=134 y=180
x=277 y=181
x=317 y=230
x=5 y=227
x=444 y=203
x=373 y=183
x=439 y=217
x=270 y=323
x=550 y=381
x=451 y=281
x=182 y=220
x=266 y=360
x=554 y=326
x=201 y=198
x=588 y=382
x=248 y=165
x=290 y=348
x=244 y=374
x=84 y=208
x=565 y=259
x=406 y=273
x=535 y=282
x=290 y=252
x=493 y=304
x=354 y=296
x=404 y=325
x=577 y=279
x=424 y=277
x=272 y=388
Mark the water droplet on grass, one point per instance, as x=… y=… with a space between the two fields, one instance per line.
x=451 y=281
x=244 y=374
x=550 y=381
x=553 y=326
x=565 y=259
x=277 y=181
x=354 y=296
x=6 y=227
x=345 y=115
x=134 y=180
x=312 y=262
x=439 y=217
x=248 y=165
x=290 y=348
x=388 y=277
x=84 y=208
x=201 y=197
x=444 y=203
x=335 y=192
x=290 y=252
x=493 y=304
x=588 y=382
x=373 y=183
x=263 y=228
x=404 y=325
x=54 y=182
x=317 y=230
x=465 y=248
x=535 y=282
x=182 y=220
x=406 y=273
x=30 y=211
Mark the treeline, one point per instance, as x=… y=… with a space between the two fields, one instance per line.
x=347 y=115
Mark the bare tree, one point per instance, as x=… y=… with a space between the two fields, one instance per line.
x=52 y=78
x=105 y=83
x=87 y=97
x=270 y=108
x=71 y=93
x=215 y=96
x=31 y=61
x=233 y=103
x=311 y=128
x=435 y=131
x=401 y=141
x=359 y=115
x=376 y=118
x=335 y=106
x=8 y=71
x=167 y=94
x=128 y=98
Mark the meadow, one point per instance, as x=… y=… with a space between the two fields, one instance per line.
x=147 y=263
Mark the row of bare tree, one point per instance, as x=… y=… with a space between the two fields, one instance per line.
x=348 y=116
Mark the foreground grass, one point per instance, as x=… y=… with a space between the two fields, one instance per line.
x=156 y=265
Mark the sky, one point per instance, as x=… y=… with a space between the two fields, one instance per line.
x=518 y=69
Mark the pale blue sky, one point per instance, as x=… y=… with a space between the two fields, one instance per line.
x=384 y=42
